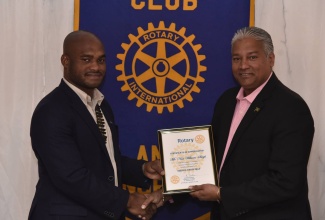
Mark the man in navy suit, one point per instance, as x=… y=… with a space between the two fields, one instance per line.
x=263 y=134
x=81 y=169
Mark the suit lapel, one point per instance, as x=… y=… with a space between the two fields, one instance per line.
x=225 y=125
x=249 y=117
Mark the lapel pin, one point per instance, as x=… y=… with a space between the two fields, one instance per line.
x=257 y=109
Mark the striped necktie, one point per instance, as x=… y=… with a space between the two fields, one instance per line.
x=100 y=122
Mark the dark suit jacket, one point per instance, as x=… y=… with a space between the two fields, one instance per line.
x=76 y=177
x=264 y=175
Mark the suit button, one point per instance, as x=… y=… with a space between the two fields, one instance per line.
x=110 y=214
x=110 y=178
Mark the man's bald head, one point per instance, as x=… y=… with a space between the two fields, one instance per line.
x=75 y=38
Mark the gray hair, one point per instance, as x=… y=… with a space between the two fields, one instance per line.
x=257 y=34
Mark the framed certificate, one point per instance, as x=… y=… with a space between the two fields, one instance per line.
x=188 y=158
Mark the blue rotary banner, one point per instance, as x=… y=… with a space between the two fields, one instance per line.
x=168 y=61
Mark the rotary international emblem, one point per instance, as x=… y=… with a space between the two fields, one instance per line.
x=161 y=67
x=174 y=179
x=199 y=139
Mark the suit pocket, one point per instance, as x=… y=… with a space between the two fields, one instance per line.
x=65 y=209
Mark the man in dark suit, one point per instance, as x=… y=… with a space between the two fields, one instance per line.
x=80 y=166
x=263 y=134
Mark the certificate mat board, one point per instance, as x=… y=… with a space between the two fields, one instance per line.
x=188 y=158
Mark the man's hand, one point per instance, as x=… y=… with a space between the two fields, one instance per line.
x=206 y=192
x=153 y=170
x=157 y=198
x=134 y=206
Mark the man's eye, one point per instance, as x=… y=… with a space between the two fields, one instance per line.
x=235 y=59
x=85 y=60
x=101 y=61
x=252 y=57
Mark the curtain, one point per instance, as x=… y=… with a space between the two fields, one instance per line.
x=31 y=35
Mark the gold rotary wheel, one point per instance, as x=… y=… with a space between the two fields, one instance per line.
x=160 y=67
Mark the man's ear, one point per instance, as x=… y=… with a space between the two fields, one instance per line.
x=65 y=60
x=271 y=58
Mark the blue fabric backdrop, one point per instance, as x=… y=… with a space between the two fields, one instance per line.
x=168 y=61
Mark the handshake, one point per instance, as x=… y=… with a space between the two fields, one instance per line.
x=144 y=206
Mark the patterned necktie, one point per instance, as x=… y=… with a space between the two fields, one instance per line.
x=100 y=122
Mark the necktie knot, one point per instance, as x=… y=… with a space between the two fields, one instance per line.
x=100 y=122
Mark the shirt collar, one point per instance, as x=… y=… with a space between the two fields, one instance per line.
x=85 y=98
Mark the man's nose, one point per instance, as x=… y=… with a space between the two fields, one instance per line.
x=94 y=66
x=244 y=64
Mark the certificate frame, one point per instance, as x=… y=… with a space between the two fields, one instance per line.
x=188 y=158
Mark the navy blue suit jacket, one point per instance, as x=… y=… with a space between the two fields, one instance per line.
x=76 y=177
x=264 y=175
